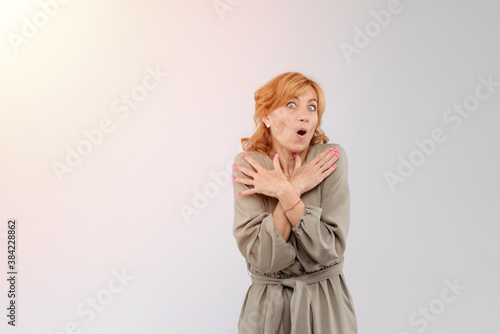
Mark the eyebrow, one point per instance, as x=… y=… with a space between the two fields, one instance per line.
x=296 y=98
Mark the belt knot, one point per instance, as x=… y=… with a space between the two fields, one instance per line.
x=300 y=302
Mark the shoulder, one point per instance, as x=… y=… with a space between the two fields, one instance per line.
x=260 y=157
x=318 y=148
x=341 y=172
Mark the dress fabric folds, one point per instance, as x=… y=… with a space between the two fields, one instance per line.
x=298 y=286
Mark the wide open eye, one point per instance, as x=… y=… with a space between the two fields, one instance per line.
x=312 y=107
x=291 y=105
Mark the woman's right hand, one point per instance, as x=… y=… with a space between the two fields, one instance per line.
x=305 y=178
x=272 y=183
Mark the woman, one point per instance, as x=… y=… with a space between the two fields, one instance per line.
x=291 y=215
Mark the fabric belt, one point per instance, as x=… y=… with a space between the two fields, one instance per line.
x=300 y=303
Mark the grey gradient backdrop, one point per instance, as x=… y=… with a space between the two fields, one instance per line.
x=120 y=209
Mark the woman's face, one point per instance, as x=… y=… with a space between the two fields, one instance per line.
x=293 y=125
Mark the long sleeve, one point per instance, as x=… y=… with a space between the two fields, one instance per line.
x=262 y=246
x=322 y=231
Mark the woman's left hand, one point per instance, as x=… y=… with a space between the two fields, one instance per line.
x=306 y=177
x=268 y=182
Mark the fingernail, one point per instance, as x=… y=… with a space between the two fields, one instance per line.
x=277 y=155
x=239 y=193
x=336 y=155
x=330 y=149
x=244 y=155
x=334 y=165
x=294 y=155
x=335 y=150
x=235 y=165
x=234 y=177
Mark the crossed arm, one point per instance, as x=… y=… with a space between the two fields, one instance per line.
x=273 y=183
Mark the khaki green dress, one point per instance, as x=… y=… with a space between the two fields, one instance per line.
x=297 y=285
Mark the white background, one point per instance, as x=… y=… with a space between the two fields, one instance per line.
x=121 y=207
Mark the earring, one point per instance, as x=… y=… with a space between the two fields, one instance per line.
x=267 y=125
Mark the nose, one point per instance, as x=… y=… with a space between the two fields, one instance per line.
x=304 y=115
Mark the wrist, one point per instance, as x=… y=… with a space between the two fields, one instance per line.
x=288 y=197
x=284 y=191
x=293 y=207
x=297 y=189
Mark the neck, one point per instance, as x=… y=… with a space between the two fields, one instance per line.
x=287 y=160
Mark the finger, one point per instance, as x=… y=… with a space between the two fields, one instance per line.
x=331 y=169
x=329 y=163
x=319 y=161
x=321 y=156
x=245 y=170
x=276 y=162
x=298 y=161
x=248 y=192
x=252 y=162
x=328 y=172
x=330 y=158
x=242 y=180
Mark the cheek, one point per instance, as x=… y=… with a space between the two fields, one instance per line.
x=279 y=125
x=315 y=121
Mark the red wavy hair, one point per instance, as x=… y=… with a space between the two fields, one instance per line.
x=274 y=94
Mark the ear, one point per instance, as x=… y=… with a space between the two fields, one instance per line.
x=265 y=119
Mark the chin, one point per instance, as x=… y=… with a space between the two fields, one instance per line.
x=299 y=148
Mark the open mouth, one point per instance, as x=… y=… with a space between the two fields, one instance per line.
x=302 y=132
